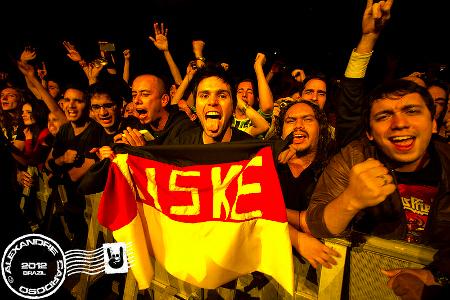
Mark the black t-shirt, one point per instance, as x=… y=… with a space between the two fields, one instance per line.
x=82 y=143
x=418 y=190
x=107 y=139
x=195 y=137
x=297 y=191
x=177 y=123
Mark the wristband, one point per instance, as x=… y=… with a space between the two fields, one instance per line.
x=83 y=63
x=201 y=58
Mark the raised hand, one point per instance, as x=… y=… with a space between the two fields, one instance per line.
x=127 y=54
x=197 y=48
x=26 y=69
x=160 y=40
x=369 y=184
x=260 y=60
x=191 y=69
x=73 y=54
x=42 y=73
x=92 y=70
x=28 y=54
x=376 y=16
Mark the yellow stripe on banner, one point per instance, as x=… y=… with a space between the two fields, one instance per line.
x=142 y=267
x=210 y=254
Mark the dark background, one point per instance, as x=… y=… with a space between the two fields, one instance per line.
x=314 y=35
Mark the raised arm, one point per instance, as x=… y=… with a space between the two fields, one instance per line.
x=27 y=55
x=126 y=65
x=375 y=17
x=28 y=71
x=190 y=71
x=265 y=94
x=161 y=42
x=197 y=48
x=351 y=91
x=259 y=124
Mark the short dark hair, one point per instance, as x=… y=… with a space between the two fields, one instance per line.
x=392 y=90
x=255 y=90
x=213 y=70
x=112 y=88
x=316 y=75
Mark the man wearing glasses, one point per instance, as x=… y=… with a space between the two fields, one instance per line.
x=106 y=107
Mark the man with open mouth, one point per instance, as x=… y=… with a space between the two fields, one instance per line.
x=393 y=184
x=304 y=126
x=70 y=158
x=215 y=102
x=163 y=121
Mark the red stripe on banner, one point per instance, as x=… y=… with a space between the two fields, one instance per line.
x=117 y=206
x=229 y=192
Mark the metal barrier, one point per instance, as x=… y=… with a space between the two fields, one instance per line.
x=357 y=275
x=364 y=263
x=94 y=229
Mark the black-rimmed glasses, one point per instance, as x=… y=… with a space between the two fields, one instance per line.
x=97 y=107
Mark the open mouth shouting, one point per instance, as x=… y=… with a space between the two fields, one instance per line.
x=300 y=137
x=142 y=114
x=212 y=121
x=403 y=143
x=106 y=119
x=72 y=113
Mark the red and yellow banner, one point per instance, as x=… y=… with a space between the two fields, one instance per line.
x=207 y=224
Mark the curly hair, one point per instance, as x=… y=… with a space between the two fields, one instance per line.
x=325 y=144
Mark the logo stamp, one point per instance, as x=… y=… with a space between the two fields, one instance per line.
x=115 y=258
x=33 y=266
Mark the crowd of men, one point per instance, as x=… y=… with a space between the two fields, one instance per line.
x=381 y=168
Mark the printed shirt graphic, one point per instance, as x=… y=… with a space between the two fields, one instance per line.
x=207 y=224
x=417 y=200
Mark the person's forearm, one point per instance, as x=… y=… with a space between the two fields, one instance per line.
x=293 y=217
x=367 y=43
x=76 y=173
x=338 y=214
x=173 y=68
x=269 y=76
x=126 y=71
x=32 y=88
x=293 y=235
x=52 y=105
x=259 y=124
x=265 y=94
x=181 y=90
